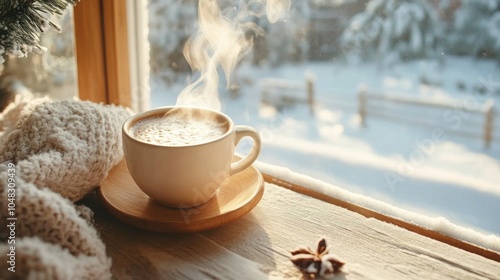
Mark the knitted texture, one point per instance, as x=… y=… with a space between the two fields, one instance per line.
x=66 y=146
x=10 y=115
x=61 y=150
x=52 y=240
x=38 y=260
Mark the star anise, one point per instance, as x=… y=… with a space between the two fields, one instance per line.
x=319 y=263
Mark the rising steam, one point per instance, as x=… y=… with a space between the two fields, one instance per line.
x=221 y=41
x=277 y=9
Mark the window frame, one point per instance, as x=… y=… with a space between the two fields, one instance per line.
x=101 y=42
x=103 y=64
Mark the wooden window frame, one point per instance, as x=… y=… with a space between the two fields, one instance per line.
x=103 y=76
x=101 y=42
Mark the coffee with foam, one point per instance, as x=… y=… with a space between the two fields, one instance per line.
x=177 y=130
x=174 y=154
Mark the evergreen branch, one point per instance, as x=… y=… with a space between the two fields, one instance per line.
x=22 y=22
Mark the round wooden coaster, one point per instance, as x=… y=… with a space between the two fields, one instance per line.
x=124 y=200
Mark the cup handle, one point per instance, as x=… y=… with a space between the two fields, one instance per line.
x=240 y=132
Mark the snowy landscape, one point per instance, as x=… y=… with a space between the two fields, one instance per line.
x=457 y=179
x=426 y=159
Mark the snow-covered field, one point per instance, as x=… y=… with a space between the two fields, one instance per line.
x=429 y=170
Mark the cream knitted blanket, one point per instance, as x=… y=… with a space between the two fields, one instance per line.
x=54 y=153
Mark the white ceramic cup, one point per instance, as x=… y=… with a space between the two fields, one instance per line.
x=188 y=175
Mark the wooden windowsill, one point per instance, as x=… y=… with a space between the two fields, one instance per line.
x=257 y=245
x=395 y=221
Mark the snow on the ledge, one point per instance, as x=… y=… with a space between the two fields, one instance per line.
x=437 y=224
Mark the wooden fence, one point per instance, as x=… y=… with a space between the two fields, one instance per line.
x=485 y=111
x=283 y=93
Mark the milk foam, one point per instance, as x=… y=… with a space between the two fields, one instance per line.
x=176 y=130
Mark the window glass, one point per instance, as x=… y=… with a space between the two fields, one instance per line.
x=53 y=72
x=395 y=100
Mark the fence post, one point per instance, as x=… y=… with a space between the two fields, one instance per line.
x=362 y=105
x=488 y=123
x=310 y=92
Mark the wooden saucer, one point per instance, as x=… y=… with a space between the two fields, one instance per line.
x=124 y=200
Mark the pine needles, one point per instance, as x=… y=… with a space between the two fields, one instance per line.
x=22 y=22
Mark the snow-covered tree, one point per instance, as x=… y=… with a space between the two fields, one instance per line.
x=22 y=22
x=476 y=29
x=54 y=67
x=171 y=22
x=29 y=26
x=494 y=31
x=393 y=30
x=286 y=40
x=278 y=33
